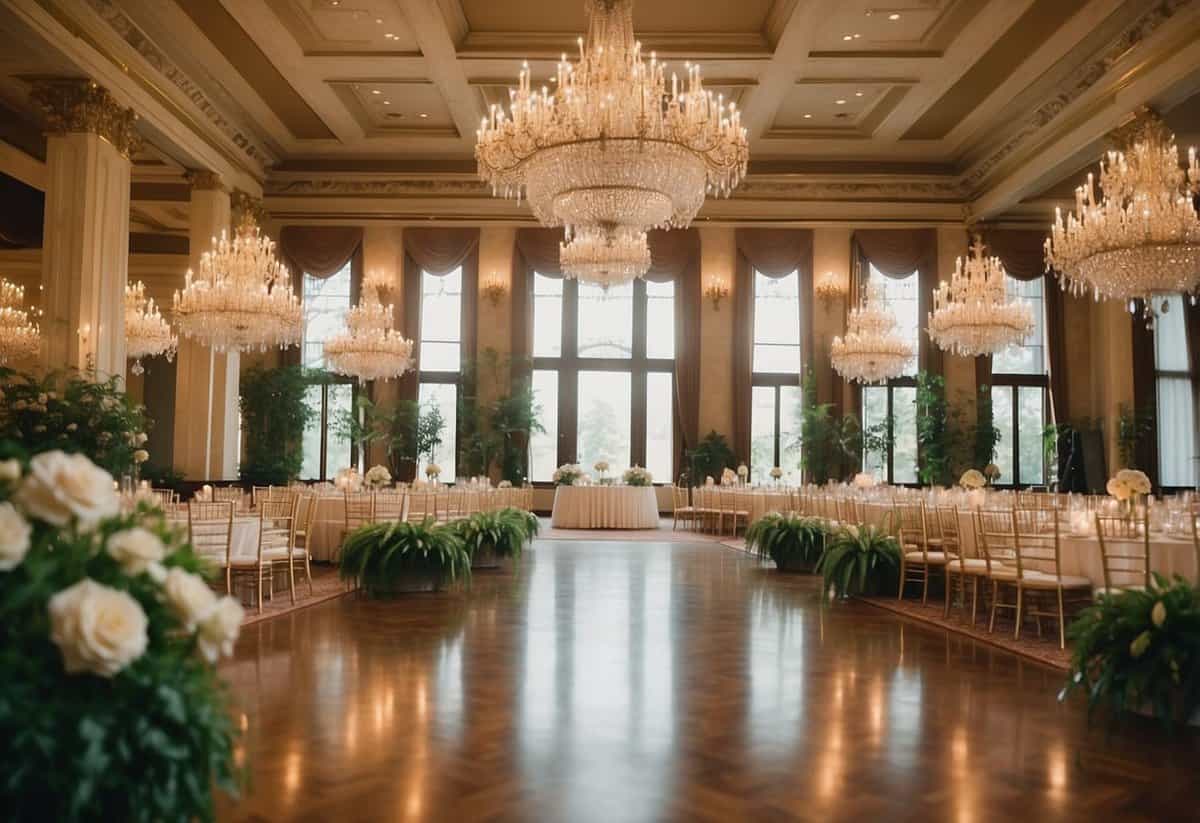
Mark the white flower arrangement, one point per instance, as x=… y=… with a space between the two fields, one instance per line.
x=348 y=479
x=728 y=477
x=504 y=484
x=743 y=471
x=637 y=476
x=567 y=474
x=709 y=481
x=972 y=479
x=378 y=477
x=1128 y=483
x=776 y=472
x=433 y=471
x=601 y=466
x=992 y=472
x=864 y=480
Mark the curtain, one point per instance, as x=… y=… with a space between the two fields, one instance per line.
x=1144 y=391
x=675 y=256
x=321 y=252
x=773 y=253
x=897 y=253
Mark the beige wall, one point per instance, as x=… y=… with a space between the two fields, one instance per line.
x=718 y=255
x=1111 y=370
x=495 y=320
x=959 y=371
x=831 y=252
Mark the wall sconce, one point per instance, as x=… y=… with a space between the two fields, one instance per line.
x=830 y=286
x=494 y=289
x=716 y=291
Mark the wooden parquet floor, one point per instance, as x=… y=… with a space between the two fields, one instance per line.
x=667 y=682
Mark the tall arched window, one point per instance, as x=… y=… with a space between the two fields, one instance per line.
x=1020 y=395
x=889 y=412
x=775 y=383
x=441 y=358
x=326 y=447
x=1174 y=398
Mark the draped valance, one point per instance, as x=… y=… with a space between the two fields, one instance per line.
x=1020 y=251
x=319 y=251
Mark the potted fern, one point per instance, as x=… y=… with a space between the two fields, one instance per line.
x=391 y=558
x=490 y=537
x=795 y=543
x=860 y=560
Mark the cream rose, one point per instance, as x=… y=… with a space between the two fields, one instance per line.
x=219 y=630
x=10 y=470
x=189 y=597
x=98 y=629
x=14 y=537
x=141 y=456
x=136 y=549
x=61 y=487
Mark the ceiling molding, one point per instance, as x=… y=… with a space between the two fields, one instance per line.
x=551 y=45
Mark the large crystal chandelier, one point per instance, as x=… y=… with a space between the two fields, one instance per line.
x=370 y=348
x=608 y=257
x=242 y=297
x=871 y=350
x=147 y=333
x=1143 y=237
x=610 y=147
x=20 y=337
x=973 y=314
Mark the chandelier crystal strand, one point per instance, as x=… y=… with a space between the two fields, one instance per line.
x=612 y=145
x=606 y=257
x=242 y=298
x=370 y=348
x=871 y=350
x=20 y=337
x=147 y=333
x=973 y=314
x=1143 y=237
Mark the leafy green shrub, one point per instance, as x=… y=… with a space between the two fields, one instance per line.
x=711 y=456
x=861 y=560
x=1140 y=649
x=274 y=416
x=794 y=543
x=502 y=533
x=384 y=557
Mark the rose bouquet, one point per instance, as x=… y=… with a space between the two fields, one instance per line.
x=864 y=480
x=991 y=473
x=776 y=474
x=637 y=476
x=728 y=478
x=601 y=466
x=108 y=633
x=743 y=471
x=348 y=479
x=378 y=477
x=433 y=471
x=567 y=475
x=1128 y=483
x=972 y=479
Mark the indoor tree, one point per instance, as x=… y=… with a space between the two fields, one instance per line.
x=274 y=416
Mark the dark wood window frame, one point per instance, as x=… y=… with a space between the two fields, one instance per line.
x=445 y=378
x=1017 y=382
x=904 y=382
x=334 y=380
x=775 y=381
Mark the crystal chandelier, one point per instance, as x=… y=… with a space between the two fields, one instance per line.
x=973 y=314
x=147 y=333
x=242 y=298
x=20 y=337
x=370 y=348
x=871 y=351
x=610 y=146
x=607 y=257
x=1143 y=237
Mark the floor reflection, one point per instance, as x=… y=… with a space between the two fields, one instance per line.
x=642 y=681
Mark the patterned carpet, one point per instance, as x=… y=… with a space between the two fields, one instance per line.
x=326 y=586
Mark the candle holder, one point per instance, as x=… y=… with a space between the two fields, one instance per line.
x=494 y=289
x=716 y=291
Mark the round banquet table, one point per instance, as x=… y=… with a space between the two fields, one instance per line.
x=605 y=507
x=328 y=523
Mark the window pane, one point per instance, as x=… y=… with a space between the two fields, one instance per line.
x=543 y=448
x=904 y=453
x=1170 y=337
x=326 y=301
x=337 y=444
x=605 y=409
x=777 y=324
x=874 y=425
x=605 y=321
x=660 y=426
x=1031 y=419
x=310 y=468
x=547 y=316
x=445 y=397
x=901 y=295
x=1030 y=356
x=660 y=319
x=1002 y=417
x=441 y=322
x=1176 y=432
x=762 y=433
x=789 y=433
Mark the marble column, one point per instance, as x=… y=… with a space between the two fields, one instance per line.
x=85 y=256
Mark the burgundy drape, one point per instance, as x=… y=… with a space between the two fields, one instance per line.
x=897 y=253
x=773 y=253
x=321 y=252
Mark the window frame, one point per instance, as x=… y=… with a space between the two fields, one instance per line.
x=1175 y=374
x=441 y=376
x=776 y=380
x=1019 y=380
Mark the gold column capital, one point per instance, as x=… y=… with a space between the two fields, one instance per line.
x=72 y=105
x=204 y=180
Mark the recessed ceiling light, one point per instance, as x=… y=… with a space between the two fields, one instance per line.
x=335 y=2
x=423 y=116
x=379 y=20
x=840 y=102
x=857 y=35
x=376 y=91
x=387 y=102
x=808 y=117
x=389 y=35
x=847 y=36
x=894 y=16
x=858 y=94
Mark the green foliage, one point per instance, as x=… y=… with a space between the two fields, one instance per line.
x=147 y=744
x=830 y=446
x=1140 y=650
x=497 y=433
x=71 y=413
x=380 y=555
x=933 y=431
x=505 y=531
x=985 y=436
x=274 y=416
x=408 y=431
x=711 y=456
x=1133 y=427
x=795 y=543
x=860 y=560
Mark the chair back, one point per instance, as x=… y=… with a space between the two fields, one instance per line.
x=306 y=515
x=166 y=498
x=360 y=509
x=1124 y=550
x=912 y=526
x=389 y=507
x=210 y=529
x=995 y=538
x=1037 y=539
x=946 y=518
x=276 y=526
x=420 y=506
x=228 y=494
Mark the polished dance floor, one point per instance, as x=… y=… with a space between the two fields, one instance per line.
x=641 y=681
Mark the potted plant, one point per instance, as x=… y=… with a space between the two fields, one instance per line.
x=1138 y=651
x=390 y=558
x=795 y=543
x=274 y=417
x=860 y=560
x=490 y=537
x=710 y=458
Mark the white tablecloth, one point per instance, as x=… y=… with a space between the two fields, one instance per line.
x=327 y=527
x=605 y=507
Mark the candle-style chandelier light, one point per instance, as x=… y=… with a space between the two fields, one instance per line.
x=1143 y=237
x=607 y=257
x=973 y=313
x=370 y=348
x=871 y=351
x=241 y=299
x=147 y=332
x=20 y=337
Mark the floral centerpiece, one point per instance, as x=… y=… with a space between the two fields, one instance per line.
x=504 y=484
x=864 y=480
x=972 y=479
x=991 y=473
x=348 y=479
x=709 y=481
x=433 y=471
x=378 y=477
x=601 y=467
x=776 y=474
x=743 y=471
x=108 y=634
x=728 y=478
x=1128 y=484
x=567 y=474
x=637 y=476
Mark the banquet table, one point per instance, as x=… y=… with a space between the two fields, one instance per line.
x=243 y=538
x=605 y=507
x=328 y=523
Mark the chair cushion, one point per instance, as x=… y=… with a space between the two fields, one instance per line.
x=1041 y=580
x=932 y=558
x=976 y=565
x=1118 y=590
x=281 y=553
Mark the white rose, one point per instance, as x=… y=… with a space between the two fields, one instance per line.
x=136 y=549
x=71 y=427
x=189 y=597
x=141 y=456
x=140 y=439
x=1158 y=615
x=14 y=537
x=219 y=630
x=97 y=629
x=61 y=487
x=10 y=470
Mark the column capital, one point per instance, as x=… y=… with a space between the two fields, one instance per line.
x=80 y=105
x=204 y=180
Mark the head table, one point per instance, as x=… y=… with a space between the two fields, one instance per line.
x=605 y=507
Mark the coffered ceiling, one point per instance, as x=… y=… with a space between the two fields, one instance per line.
x=941 y=100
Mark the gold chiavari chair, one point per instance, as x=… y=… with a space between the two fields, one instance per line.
x=1039 y=572
x=258 y=494
x=275 y=519
x=704 y=512
x=389 y=507
x=229 y=494
x=917 y=560
x=306 y=516
x=681 y=508
x=359 y=511
x=1194 y=518
x=996 y=540
x=165 y=498
x=421 y=506
x=210 y=531
x=968 y=569
x=1124 y=551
